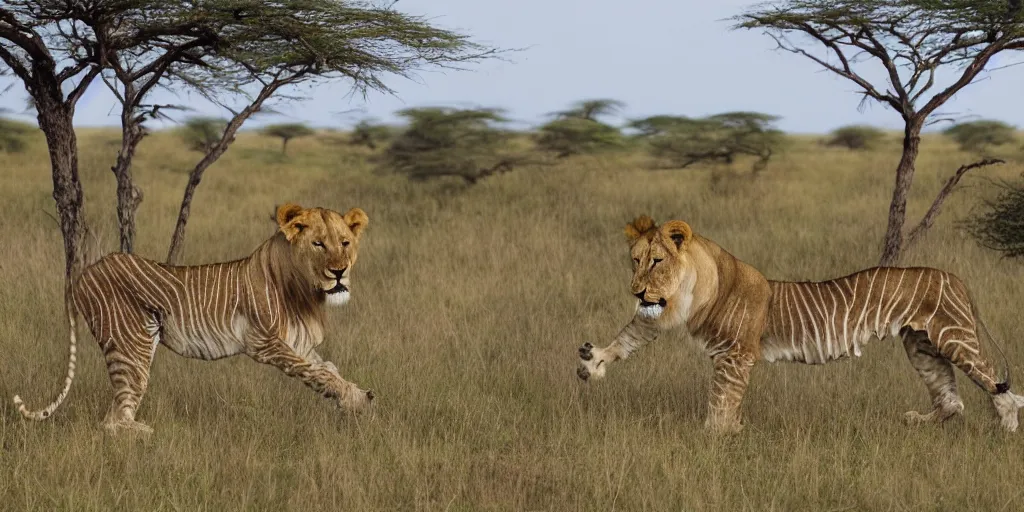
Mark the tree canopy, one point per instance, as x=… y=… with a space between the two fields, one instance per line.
x=720 y=138
x=910 y=41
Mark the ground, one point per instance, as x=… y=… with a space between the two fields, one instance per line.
x=468 y=307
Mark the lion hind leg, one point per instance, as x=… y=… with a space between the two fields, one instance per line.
x=938 y=376
x=129 y=358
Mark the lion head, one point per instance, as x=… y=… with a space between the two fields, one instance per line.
x=664 y=268
x=324 y=246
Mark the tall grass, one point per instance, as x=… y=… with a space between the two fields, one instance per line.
x=468 y=306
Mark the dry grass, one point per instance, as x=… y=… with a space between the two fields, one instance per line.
x=468 y=308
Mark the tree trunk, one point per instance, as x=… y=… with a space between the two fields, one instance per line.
x=56 y=122
x=194 y=177
x=178 y=239
x=893 y=242
x=215 y=152
x=128 y=195
x=284 y=146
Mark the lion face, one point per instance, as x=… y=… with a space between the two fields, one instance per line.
x=663 y=269
x=325 y=245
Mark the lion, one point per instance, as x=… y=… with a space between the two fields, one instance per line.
x=268 y=306
x=681 y=279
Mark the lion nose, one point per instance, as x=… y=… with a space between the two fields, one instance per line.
x=640 y=294
x=337 y=273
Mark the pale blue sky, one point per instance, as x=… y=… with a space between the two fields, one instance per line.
x=658 y=56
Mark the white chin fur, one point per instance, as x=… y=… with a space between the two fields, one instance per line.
x=338 y=299
x=654 y=311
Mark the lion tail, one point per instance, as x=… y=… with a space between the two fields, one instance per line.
x=45 y=413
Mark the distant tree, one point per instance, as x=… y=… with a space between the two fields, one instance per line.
x=579 y=129
x=591 y=110
x=719 y=138
x=202 y=133
x=287 y=132
x=370 y=134
x=981 y=135
x=857 y=137
x=12 y=135
x=913 y=41
x=441 y=141
x=577 y=136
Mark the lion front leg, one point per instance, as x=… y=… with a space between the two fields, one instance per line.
x=322 y=377
x=593 y=361
x=316 y=358
x=732 y=374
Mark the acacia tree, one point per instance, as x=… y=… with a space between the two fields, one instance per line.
x=237 y=53
x=911 y=41
x=287 y=132
x=55 y=75
x=443 y=141
x=578 y=130
x=720 y=138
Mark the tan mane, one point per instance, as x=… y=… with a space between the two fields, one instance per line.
x=300 y=295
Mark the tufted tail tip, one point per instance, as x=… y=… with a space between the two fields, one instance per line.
x=20 y=405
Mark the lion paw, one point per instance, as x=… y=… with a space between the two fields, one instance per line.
x=592 y=362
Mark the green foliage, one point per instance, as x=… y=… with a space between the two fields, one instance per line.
x=287 y=132
x=202 y=133
x=721 y=138
x=857 y=137
x=442 y=141
x=370 y=134
x=1000 y=225
x=980 y=135
x=591 y=110
x=12 y=135
x=577 y=136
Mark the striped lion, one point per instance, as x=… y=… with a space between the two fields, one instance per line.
x=268 y=306
x=681 y=278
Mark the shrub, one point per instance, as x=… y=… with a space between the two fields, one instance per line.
x=12 y=135
x=980 y=135
x=856 y=137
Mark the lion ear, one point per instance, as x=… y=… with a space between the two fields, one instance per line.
x=638 y=227
x=356 y=219
x=286 y=215
x=678 y=231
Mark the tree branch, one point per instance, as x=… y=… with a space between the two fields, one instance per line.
x=947 y=189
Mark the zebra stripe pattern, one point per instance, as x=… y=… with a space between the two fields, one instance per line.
x=265 y=306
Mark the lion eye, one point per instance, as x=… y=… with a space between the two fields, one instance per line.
x=318 y=244
x=344 y=243
x=657 y=260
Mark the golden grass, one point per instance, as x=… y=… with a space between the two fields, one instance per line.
x=468 y=308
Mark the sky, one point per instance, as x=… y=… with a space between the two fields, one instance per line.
x=676 y=57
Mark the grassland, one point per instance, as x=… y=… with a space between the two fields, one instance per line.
x=468 y=307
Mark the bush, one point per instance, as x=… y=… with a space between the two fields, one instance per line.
x=441 y=141
x=202 y=133
x=287 y=132
x=856 y=137
x=980 y=135
x=720 y=138
x=1000 y=226
x=12 y=135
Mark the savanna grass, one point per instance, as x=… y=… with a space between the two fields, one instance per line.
x=468 y=306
